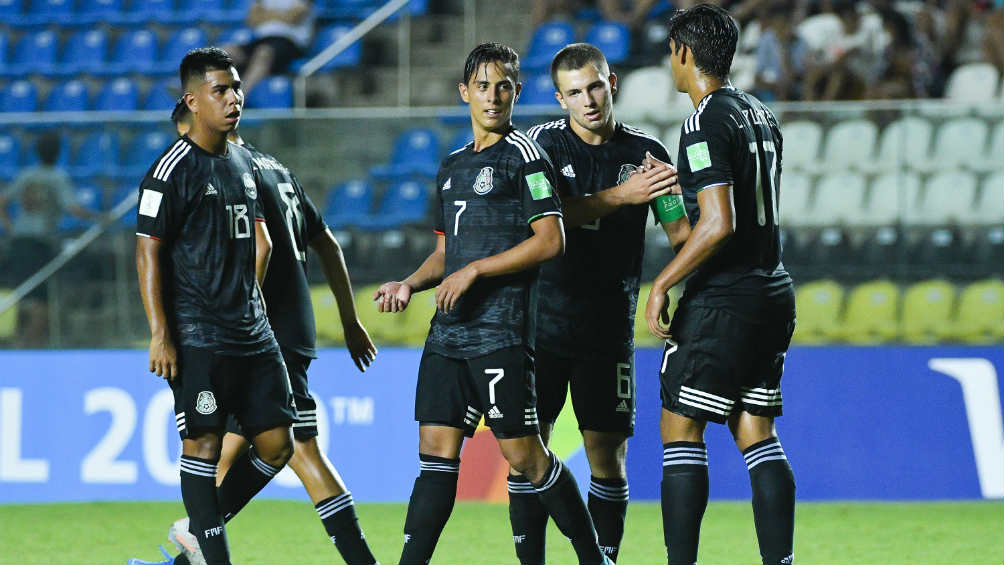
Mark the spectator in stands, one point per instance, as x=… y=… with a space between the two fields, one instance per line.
x=906 y=69
x=44 y=193
x=632 y=13
x=994 y=44
x=780 y=55
x=849 y=60
x=282 y=33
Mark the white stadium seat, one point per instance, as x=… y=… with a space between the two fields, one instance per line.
x=649 y=94
x=801 y=144
x=887 y=200
x=903 y=143
x=839 y=196
x=796 y=195
x=671 y=139
x=990 y=206
x=957 y=144
x=848 y=145
x=947 y=197
x=993 y=158
x=973 y=82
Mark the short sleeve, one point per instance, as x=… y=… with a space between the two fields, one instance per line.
x=438 y=222
x=705 y=152
x=538 y=194
x=161 y=209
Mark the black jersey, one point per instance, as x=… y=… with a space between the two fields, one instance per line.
x=486 y=203
x=732 y=138
x=203 y=207
x=293 y=222
x=588 y=297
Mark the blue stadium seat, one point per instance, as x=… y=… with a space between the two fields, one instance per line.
x=49 y=12
x=143 y=151
x=142 y=11
x=546 y=41
x=238 y=36
x=236 y=11
x=350 y=57
x=34 y=53
x=176 y=46
x=120 y=95
x=97 y=156
x=135 y=51
x=63 y=161
x=19 y=96
x=11 y=10
x=88 y=197
x=91 y=12
x=4 y=55
x=71 y=96
x=10 y=156
x=85 y=51
x=161 y=95
x=538 y=89
x=462 y=138
x=193 y=12
x=404 y=203
x=416 y=151
x=613 y=38
x=348 y=203
x=273 y=92
x=131 y=191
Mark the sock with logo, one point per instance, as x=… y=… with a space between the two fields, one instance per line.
x=684 y=498
x=529 y=520
x=198 y=491
x=773 y=500
x=338 y=514
x=560 y=495
x=429 y=508
x=608 y=500
x=247 y=476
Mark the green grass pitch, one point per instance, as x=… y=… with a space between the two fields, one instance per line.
x=272 y=531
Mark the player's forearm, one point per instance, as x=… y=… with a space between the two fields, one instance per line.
x=336 y=272
x=429 y=274
x=579 y=210
x=678 y=232
x=706 y=239
x=149 y=270
x=540 y=247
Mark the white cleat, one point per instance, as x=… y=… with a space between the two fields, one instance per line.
x=186 y=542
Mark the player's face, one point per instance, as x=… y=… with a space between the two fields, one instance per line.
x=217 y=101
x=587 y=95
x=491 y=93
x=676 y=65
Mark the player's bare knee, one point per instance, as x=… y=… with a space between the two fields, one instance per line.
x=204 y=446
x=748 y=429
x=440 y=441
x=675 y=427
x=526 y=456
x=606 y=454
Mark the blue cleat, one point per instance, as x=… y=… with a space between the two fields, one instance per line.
x=169 y=560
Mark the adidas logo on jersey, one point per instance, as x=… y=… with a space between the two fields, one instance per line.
x=446 y=185
x=568 y=171
x=495 y=413
x=623 y=407
x=211 y=190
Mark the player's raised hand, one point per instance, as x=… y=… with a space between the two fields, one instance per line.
x=359 y=344
x=647 y=183
x=163 y=358
x=651 y=162
x=453 y=287
x=392 y=297
x=657 y=314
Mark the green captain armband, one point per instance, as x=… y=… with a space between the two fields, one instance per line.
x=669 y=208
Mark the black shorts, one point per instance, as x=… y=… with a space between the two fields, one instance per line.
x=723 y=360
x=27 y=256
x=285 y=52
x=305 y=426
x=456 y=392
x=603 y=391
x=254 y=388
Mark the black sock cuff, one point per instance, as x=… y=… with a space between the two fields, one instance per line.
x=699 y=444
x=519 y=484
x=554 y=471
x=198 y=466
x=438 y=465
x=610 y=490
x=332 y=505
x=680 y=456
x=764 y=451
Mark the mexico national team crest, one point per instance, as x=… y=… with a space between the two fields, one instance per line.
x=205 y=403
x=625 y=172
x=249 y=186
x=483 y=184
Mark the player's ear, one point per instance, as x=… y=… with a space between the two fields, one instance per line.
x=191 y=101
x=519 y=89
x=560 y=99
x=613 y=83
x=463 y=92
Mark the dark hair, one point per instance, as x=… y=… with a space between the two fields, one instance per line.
x=491 y=53
x=181 y=113
x=710 y=33
x=575 y=56
x=198 y=61
x=48 y=147
x=902 y=30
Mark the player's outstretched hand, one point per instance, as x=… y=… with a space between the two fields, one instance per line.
x=656 y=311
x=360 y=346
x=163 y=358
x=648 y=183
x=453 y=287
x=392 y=297
x=650 y=163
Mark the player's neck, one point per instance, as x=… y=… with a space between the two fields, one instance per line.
x=597 y=137
x=701 y=85
x=213 y=142
x=483 y=139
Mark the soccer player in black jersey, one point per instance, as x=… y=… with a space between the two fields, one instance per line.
x=295 y=223
x=585 y=320
x=201 y=253
x=727 y=340
x=498 y=218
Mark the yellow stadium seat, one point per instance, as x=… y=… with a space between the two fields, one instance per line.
x=329 y=324
x=927 y=312
x=980 y=317
x=8 y=320
x=385 y=328
x=643 y=337
x=417 y=317
x=817 y=306
x=872 y=315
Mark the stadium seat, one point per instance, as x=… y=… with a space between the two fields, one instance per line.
x=11 y=11
x=547 y=39
x=796 y=199
x=144 y=149
x=326 y=317
x=973 y=82
x=8 y=319
x=19 y=96
x=195 y=11
x=990 y=205
x=91 y=12
x=649 y=94
x=71 y=96
x=927 y=312
x=135 y=51
x=956 y=142
x=416 y=151
x=404 y=203
x=385 y=328
x=176 y=46
x=84 y=52
x=946 y=198
x=848 y=143
x=538 y=89
x=97 y=155
x=34 y=53
x=275 y=92
x=887 y=201
x=903 y=143
x=671 y=139
x=839 y=196
x=415 y=326
x=49 y=12
x=119 y=95
x=349 y=57
x=872 y=315
x=993 y=158
x=142 y=11
x=801 y=155
x=612 y=38
x=348 y=203
x=980 y=317
x=126 y=191
x=10 y=156
x=643 y=337
x=818 y=305
x=236 y=36
x=88 y=197
x=462 y=138
x=161 y=95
